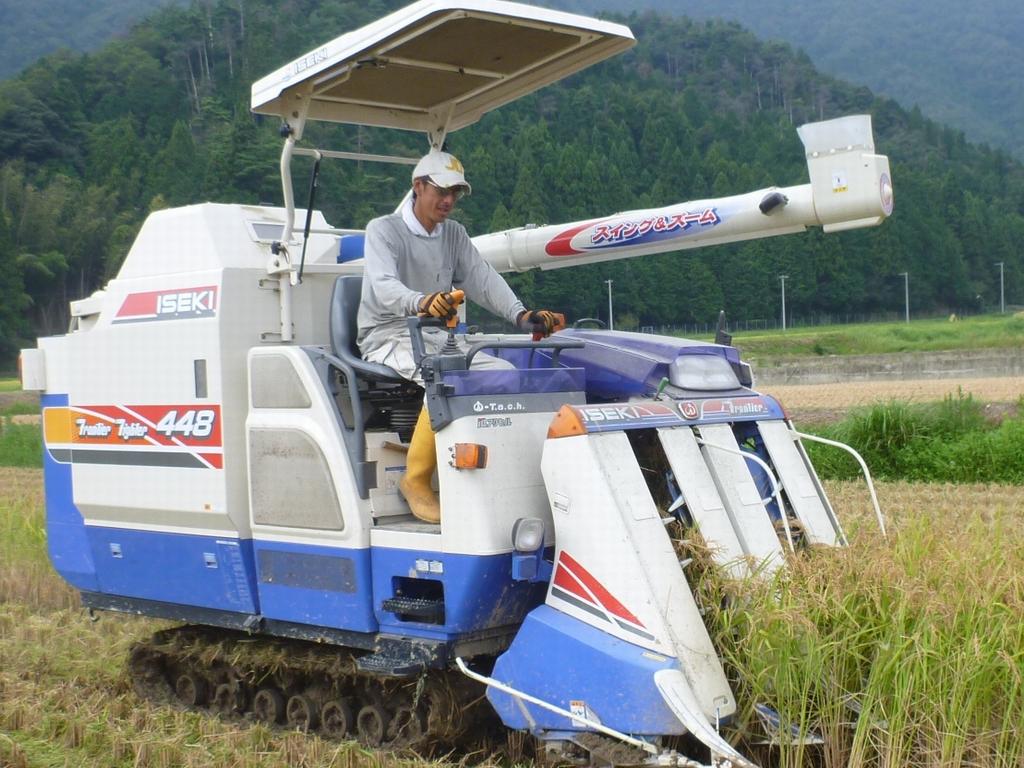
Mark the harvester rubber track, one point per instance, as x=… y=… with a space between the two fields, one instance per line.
x=602 y=750
x=309 y=687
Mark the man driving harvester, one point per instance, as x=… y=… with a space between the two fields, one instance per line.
x=418 y=262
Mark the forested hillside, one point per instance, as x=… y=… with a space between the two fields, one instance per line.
x=968 y=73
x=960 y=64
x=31 y=30
x=89 y=144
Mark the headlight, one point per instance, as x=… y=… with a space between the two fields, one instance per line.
x=528 y=534
x=703 y=373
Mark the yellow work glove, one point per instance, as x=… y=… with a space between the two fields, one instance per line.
x=541 y=322
x=440 y=304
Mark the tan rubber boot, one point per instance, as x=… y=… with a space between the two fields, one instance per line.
x=419 y=468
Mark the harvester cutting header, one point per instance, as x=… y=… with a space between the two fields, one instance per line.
x=218 y=452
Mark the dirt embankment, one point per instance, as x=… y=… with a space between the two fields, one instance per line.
x=7 y=399
x=825 y=403
x=818 y=390
x=957 y=364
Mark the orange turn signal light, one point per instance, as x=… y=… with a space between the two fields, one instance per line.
x=567 y=422
x=468 y=456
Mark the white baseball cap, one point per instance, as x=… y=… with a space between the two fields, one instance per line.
x=443 y=169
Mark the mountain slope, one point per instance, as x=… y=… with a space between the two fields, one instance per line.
x=90 y=144
x=31 y=30
x=961 y=65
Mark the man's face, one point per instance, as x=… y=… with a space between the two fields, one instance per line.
x=433 y=204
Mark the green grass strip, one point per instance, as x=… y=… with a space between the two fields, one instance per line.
x=21 y=445
x=983 y=332
x=949 y=441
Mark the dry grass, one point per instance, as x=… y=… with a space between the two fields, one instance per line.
x=25 y=573
x=922 y=631
x=1005 y=389
x=951 y=506
x=20 y=485
x=65 y=699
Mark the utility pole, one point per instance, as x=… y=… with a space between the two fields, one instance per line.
x=611 y=323
x=1002 y=301
x=906 y=293
x=782 y=279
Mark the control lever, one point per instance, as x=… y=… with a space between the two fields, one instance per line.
x=451 y=320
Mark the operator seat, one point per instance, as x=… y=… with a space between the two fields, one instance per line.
x=344 y=330
x=373 y=396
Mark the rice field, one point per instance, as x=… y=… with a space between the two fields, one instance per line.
x=925 y=335
x=65 y=699
x=907 y=651
x=904 y=651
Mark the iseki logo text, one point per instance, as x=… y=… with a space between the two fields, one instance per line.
x=174 y=304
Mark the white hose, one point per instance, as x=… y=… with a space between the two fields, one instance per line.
x=863 y=466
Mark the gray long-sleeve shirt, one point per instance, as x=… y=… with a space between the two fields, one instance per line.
x=400 y=267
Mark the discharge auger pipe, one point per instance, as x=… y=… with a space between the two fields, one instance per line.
x=644 y=232
x=849 y=187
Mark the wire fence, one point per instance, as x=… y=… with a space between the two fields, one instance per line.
x=487 y=323
x=792 y=323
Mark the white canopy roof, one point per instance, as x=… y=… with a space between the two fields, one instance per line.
x=437 y=65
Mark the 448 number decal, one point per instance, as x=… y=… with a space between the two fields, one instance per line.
x=196 y=423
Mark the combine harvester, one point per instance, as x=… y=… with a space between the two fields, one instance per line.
x=217 y=453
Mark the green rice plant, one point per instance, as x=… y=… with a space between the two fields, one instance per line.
x=20 y=407
x=21 y=445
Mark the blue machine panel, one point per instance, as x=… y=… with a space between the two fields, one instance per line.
x=554 y=657
x=350 y=247
x=206 y=571
x=65 y=528
x=517 y=382
x=479 y=592
x=322 y=586
x=299 y=569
